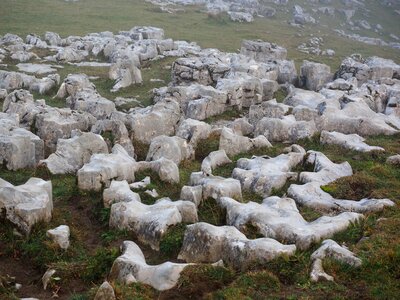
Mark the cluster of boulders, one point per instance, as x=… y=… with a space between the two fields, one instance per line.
x=92 y=140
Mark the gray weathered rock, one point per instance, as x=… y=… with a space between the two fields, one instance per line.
x=263 y=174
x=216 y=186
x=394 y=160
x=103 y=168
x=150 y=222
x=150 y=122
x=19 y=148
x=206 y=243
x=27 y=204
x=349 y=141
x=193 y=131
x=131 y=267
x=285 y=129
x=74 y=83
x=55 y=124
x=173 y=148
x=330 y=249
x=262 y=51
x=60 y=235
x=214 y=160
x=88 y=100
x=315 y=75
x=119 y=191
x=105 y=292
x=279 y=218
x=311 y=195
x=73 y=153
x=233 y=143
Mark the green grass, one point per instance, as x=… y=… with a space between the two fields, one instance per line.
x=100 y=15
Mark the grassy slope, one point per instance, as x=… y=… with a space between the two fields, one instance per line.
x=24 y=16
x=94 y=245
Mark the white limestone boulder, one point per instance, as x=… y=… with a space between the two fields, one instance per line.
x=56 y=123
x=119 y=191
x=19 y=148
x=131 y=267
x=206 y=243
x=26 y=204
x=262 y=175
x=193 y=131
x=267 y=109
x=330 y=249
x=88 y=100
x=279 y=218
x=349 y=141
x=315 y=75
x=213 y=160
x=74 y=83
x=60 y=235
x=116 y=133
x=325 y=171
x=73 y=153
x=150 y=222
x=166 y=169
x=103 y=168
x=233 y=143
x=216 y=186
x=173 y=148
x=286 y=129
x=160 y=119
x=311 y=195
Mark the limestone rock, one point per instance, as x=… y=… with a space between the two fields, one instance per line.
x=166 y=169
x=263 y=174
x=150 y=122
x=285 y=129
x=115 y=132
x=394 y=160
x=350 y=141
x=19 y=148
x=206 y=243
x=315 y=75
x=119 y=191
x=73 y=153
x=74 y=83
x=193 y=131
x=103 y=168
x=27 y=204
x=267 y=109
x=311 y=195
x=262 y=51
x=216 y=186
x=172 y=148
x=55 y=124
x=279 y=218
x=105 y=292
x=60 y=235
x=150 y=222
x=233 y=143
x=325 y=171
x=88 y=100
x=214 y=160
x=330 y=249
x=131 y=267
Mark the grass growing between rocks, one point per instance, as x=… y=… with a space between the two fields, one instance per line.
x=94 y=246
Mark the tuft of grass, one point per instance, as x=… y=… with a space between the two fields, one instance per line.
x=99 y=265
x=172 y=241
x=210 y=212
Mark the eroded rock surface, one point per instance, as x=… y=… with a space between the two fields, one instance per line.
x=26 y=204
